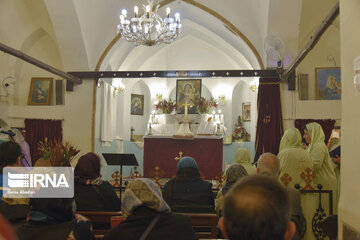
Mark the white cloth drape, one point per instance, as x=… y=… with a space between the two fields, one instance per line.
x=108 y=115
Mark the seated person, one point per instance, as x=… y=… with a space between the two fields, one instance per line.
x=187 y=192
x=148 y=216
x=243 y=157
x=257 y=207
x=13 y=209
x=92 y=193
x=234 y=173
x=52 y=218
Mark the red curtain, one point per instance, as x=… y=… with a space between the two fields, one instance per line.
x=326 y=124
x=39 y=129
x=269 y=123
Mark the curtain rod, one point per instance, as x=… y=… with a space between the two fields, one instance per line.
x=62 y=119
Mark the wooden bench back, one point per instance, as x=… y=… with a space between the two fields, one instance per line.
x=99 y=217
x=204 y=224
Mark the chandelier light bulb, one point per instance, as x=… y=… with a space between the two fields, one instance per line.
x=177 y=17
x=122 y=19
x=124 y=12
x=168 y=12
x=146 y=29
x=136 y=11
x=158 y=27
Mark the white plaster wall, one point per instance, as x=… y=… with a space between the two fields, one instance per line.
x=243 y=94
x=349 y=206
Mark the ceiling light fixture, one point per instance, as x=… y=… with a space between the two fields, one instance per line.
x=149 y=28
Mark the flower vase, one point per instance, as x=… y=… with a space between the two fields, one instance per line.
x=203 y=117
x=169 y=119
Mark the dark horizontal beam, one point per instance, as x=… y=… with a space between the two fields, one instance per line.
x=177 y=74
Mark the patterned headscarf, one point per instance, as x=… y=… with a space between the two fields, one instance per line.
x=291 y=139
x=143 y=192
x=316 y=133
x=87 y=170
x=187 y=162
x=235 y=172
x=242 y=156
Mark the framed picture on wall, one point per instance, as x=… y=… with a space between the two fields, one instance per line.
x=187 y=90
x=246 y=112
x=137 y=104
x=40 y=91
x=328 y=83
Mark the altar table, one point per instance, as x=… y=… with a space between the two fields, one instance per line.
x=161 y=154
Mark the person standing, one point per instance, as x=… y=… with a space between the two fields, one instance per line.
x=321 y=160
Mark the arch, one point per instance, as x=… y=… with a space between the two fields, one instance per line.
x=227 y=23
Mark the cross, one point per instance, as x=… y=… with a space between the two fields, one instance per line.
x=286 y=179
x=186 y=104
x=157 y=172
x=136 y=174
x=116 y=176
x=308 y=175
x=180 y=156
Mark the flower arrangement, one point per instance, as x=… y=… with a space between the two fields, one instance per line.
x=165 y=106
x=239 y=132
x=204 y=105
x=57 y=153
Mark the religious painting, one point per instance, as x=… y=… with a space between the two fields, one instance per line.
x=328 y=83
x=246 y=112
x=40 y=91
x=137 y=104
x=187 y=91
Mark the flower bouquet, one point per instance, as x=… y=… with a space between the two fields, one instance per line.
x=204 y=105
x=239 y=132
x=165 y=106
x=57 y=153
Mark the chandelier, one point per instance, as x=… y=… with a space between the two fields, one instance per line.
x=149 y=28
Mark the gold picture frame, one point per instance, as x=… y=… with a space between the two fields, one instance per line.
x=187 y=90
x=137 y=104
x=246 y=112
x=40 y=91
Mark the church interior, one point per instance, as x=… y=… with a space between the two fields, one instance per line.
x=103 y=93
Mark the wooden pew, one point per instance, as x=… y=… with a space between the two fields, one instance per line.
x=205 y=225
x=99 y=218
x=204 y=221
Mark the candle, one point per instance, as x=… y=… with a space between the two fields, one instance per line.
x=213 y=115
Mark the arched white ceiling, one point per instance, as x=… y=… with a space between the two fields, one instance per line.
x=198 y=49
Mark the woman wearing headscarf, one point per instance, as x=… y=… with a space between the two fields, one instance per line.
x=293 y=158
x=187 y=192
x=53 y=218
x=91 y=192
x=234 y=173
x=25 y=149
x=243 y=157
x=148 y=216
x=321 y=160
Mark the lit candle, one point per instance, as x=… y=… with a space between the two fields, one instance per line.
x=136 y=11
x=168 y=12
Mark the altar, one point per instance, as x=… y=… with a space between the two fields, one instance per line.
x=161 y=154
